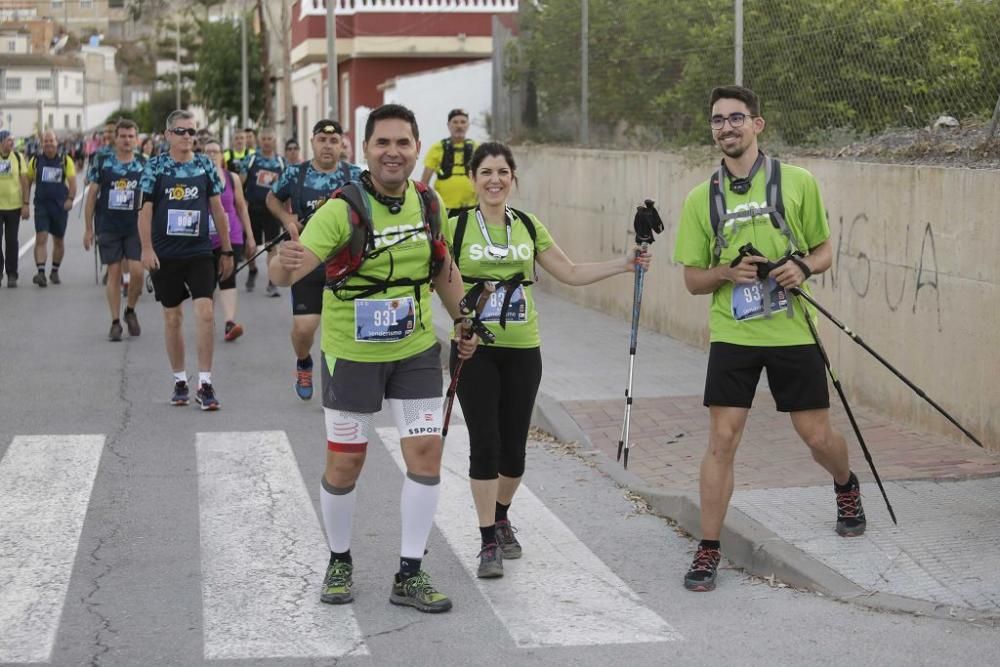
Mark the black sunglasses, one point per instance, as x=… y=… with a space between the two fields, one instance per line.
x=181 y=131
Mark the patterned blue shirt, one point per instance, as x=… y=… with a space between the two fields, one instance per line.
x=99 y=156
x=317 y=181
x=110 y=162
x=164 y=165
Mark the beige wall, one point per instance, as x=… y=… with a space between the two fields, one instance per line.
x=916 y=271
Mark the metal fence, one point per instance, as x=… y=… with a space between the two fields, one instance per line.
x=828 y=72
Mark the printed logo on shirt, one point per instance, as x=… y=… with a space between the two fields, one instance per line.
x=181 y=193
x=477 y=252
x=400 y=234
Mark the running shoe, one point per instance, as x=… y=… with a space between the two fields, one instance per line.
x=181 y=394
x=233 y=331
x=205 y=396
x=54 y=277
x=39 y=279
x=11 y=282
x=337 y=583
x=490 y=562
x=701 y=575
x=304 y=383
x=132 y=322
x=850 y=514
x=115 y=334
x=251 y=280
x=417 y=592
x=509 y=545
x=272 y=289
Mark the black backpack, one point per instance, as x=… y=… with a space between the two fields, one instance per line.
x=448 y=158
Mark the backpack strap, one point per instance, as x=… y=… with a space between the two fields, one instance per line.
x=456 y=243
x=447 y=159
x=345 y=171
x=300 y=184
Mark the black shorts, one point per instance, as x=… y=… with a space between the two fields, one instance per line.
x=796 y=375
x=230 y=282
x=307 y=293
x=114 y=246
x=178 y=279
x=264 y=225
x=52 y=218
x=360 y=386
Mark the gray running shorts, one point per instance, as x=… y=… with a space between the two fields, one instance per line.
x=360 y=386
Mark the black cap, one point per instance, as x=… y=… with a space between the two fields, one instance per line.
x=457 y=112
x=327 y=127
x=291 y=143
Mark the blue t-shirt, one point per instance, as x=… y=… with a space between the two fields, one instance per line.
x=260 y=173
x=316 y=186
x=179 y=193
x=118 y=199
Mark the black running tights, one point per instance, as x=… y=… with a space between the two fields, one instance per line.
x=497 y=392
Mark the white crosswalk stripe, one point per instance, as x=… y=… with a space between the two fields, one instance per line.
x=45 y=486
x=262 y=551
x=559 y=593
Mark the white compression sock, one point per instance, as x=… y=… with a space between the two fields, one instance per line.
x=418 y=503
x=337 y=508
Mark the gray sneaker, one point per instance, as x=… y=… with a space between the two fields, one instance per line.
x=418 y=592
x=132 y=322
x=490 y=562
x=54 y=277
x=509 y=545
x=40 y=280
x=337 y=583
x=115 y=334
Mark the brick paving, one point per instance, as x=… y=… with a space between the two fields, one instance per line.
x=669 y=435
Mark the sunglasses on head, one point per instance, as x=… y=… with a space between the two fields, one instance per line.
x=181 y=131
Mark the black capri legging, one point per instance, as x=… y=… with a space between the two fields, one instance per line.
x=497 y=394
x=230 y=282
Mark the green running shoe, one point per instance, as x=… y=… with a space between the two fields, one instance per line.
x=337 y=583
x=418 y=592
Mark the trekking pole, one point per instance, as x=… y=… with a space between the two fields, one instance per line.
x=471 y=304
x=847 y=406
x=857 y=339
x=646 y=222
x=283 y=236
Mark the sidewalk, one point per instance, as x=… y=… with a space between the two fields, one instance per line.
x=941 y=560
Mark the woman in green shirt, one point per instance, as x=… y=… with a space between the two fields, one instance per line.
x=497 y=243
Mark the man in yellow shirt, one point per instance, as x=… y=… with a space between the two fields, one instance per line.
x=13 y=202
x=447 y=159
x=54 y=177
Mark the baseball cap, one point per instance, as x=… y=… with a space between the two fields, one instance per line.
x=457 y=112
x=327 y=127
x=4 y=134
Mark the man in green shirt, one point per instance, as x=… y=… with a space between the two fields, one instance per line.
x=754 y=323
x=381 y=344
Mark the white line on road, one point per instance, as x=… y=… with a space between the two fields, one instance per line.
x=30 y=243
x=263 y=555
x=45 y=485
x=559 y=593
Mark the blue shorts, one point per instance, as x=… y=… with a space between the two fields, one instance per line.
x=51 y=218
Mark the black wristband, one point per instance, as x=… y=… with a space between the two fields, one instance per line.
x=226 y=253
x=802 y=265
x=460 y=320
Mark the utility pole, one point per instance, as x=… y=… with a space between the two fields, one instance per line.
x=244 y=76
x=177 y=55
x=331 y=58
x=738 y=54
x=584 y=75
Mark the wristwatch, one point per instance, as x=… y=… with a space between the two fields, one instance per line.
x=226 y=253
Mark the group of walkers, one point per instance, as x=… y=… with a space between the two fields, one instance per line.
x=362 y=252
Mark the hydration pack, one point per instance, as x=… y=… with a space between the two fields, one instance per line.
x=448 y=158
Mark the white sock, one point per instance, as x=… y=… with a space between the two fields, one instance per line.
x=417 y=506
x=204 y=378
x=180 y=377
x=337 y=508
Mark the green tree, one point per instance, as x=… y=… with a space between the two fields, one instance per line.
x=217 y=83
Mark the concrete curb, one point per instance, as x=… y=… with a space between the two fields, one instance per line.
x=749 y=544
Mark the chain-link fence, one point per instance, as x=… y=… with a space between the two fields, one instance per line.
x=829 y=72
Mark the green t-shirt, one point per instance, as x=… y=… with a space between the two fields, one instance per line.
x=474 y=261
x=805 y=216
x=390 y=325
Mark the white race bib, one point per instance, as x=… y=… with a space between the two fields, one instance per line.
x=182 y=222
x=52 y=175
x=748 y=299
x=517 y=309
x=383 y=320
x=121 y=199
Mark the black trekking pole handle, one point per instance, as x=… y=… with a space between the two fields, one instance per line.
x=857 y=339
x=847 y=409
x=476 y=327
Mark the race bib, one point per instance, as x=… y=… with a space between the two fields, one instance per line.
x=383 y=320
x=183 y=223
x=4 y=167
x=121 y=199
x=517 y=309
x=748 y=299
x=52 y=175
x=211 y=226
x=266 y=178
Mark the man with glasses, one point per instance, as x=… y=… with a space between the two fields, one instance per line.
x=754 y=323
x=293 y=153
x=299 y=193
x=447 y=160
x=179 y=189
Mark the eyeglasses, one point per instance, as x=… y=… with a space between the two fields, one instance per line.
x=181 y=131
x=735 y=120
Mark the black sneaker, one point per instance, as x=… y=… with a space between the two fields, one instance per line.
x=701 y=575
x=850 y=514
x=205 y=397
x=132 y=322
x=509 y=545
x=39 y=279
x=115 y=334
x=54 y=277
x=337 y=583
x=417 y=592
x=11 y=282
x=181 y=395
x=490 y=561
x=251 y=280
